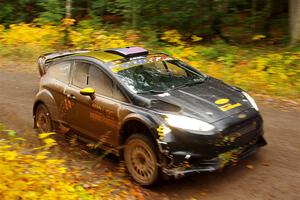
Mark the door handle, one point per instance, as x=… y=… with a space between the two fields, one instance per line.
x=71 y=97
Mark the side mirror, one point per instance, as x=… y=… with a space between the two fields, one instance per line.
x=88 y=92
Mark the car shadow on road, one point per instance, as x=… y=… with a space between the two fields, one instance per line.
x=200 y=184
x=207 y=182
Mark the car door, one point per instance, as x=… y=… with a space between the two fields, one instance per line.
x=103 y=115
x=97 y=118
x=76 y=114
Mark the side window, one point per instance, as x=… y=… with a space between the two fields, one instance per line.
x=60 y=71
x=175 y=70
x=80 y=76
x=160 y=66
x=157 y=66
x=98 y=80
x=117 y=94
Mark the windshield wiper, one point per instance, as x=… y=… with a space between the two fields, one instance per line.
x=151 y=92
x=175 y=88
x=194 y=83
x=188 y=84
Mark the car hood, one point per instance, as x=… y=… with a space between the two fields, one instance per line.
x=209 y=101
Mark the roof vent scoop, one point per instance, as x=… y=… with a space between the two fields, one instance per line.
x=129 y=52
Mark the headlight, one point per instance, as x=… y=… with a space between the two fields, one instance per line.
x=188 y=123
x=251 y=100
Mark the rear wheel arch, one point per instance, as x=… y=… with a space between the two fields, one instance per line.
x=46 y=98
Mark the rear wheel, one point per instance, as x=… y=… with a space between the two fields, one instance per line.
x=141 y=159
x=43 y=119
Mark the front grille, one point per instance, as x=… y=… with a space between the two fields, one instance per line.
x=239 y=135
x=248 y=128
x=205 y=163
x=244 y=127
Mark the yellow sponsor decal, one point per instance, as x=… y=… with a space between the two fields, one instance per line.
x=68 y=104
x=95 y=116
x=224 y=104
x=229 y=106
x=221 y=101
x=117 y=69
x=160 y=132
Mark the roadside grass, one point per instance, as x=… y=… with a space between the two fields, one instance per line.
x=259 y=68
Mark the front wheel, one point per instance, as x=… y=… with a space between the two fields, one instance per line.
x=43 y=119
x=141 y=160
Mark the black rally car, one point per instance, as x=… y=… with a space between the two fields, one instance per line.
x=158 y=113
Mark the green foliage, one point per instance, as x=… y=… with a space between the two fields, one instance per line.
x=98 y=8
x=52 y=11
x=15 y=11
x=131 y=10
x=208 y=52
x=231 y=20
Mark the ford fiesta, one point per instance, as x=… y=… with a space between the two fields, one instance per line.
x=162 y=116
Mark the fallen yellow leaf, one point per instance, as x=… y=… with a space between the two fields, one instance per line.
x=250 y=166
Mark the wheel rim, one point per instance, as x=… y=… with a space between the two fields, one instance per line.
x=43 y=121
x=141 y=162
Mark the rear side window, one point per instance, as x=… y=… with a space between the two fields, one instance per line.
x=60 y=71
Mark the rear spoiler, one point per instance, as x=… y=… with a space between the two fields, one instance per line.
x=48 y=58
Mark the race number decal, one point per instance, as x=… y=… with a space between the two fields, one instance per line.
x=225 y=105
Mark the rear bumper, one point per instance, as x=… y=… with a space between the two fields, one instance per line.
x=196 y=164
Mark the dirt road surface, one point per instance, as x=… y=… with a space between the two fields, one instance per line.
x=272 y=173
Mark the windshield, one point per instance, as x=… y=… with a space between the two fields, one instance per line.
x=156 y=75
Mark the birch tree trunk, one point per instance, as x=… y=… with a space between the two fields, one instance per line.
x=253 y=14
x=294 y=14
x=68 y=9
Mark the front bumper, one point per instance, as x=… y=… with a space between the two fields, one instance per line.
x=198 y=164
x=232 y=141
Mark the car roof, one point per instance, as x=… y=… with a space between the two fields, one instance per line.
x=105 y=56
x=101 y=55
x=110 y=55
